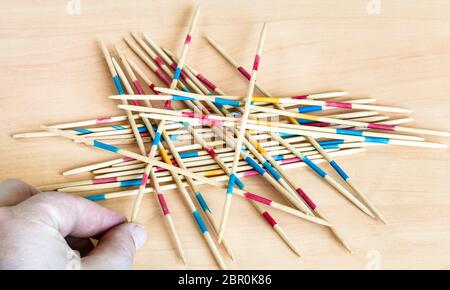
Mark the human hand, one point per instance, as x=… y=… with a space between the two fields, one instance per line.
x=41 y=230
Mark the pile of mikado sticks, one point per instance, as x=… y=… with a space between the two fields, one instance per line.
x=219 y=139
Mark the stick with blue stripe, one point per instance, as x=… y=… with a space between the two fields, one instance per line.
x=162 y=63
x=203 y=229
x=302 y=157
x=219 y=101
x=180 y=97
x=326 y=177
x=241 y=185
x=187 y=76
x=111 y=65
x=217 y=107
x=161 y=124
x=275 y=174
x=191 y=183
x=176 y=98
x=326 y=132
x=116 y=71
x=149 y=172
x=130 y=154
x=184 y=52
x=390 y=128
x=200 y=88
x=348 y=180
x=138 y=200
x=340 y=171
x=272 y=175
x=241 y=134
x=190 y=100
x=305 y=197
x=160 y=131
x=167 y=61
x=323 y=153
x=274 y=180
x=310 y=109
x=257 y=167
x=80 y=131
x=193 y=74
x=323 y=174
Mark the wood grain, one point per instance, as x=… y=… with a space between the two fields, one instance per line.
x=52 y=71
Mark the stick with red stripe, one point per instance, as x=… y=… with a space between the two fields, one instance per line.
x=277 y=228
x=134 y=80
x=165 y=210
x=135 y=67
x=130 y=154
x=302 y=101
x=191 y=183
x=112 y=65
x=149 y=62
x=137 y=202
x=204 y=230
x=137 y=86
x=161 y=124
x=246 y=74
x=199 y=197
x=241 y=135
x=206 y=209
x=184 y=52
x=151 y=172
x=185 y=74
x=196 y=85
x=205 y=81
x=261 y=211
x=231 y=121
x=158 y=60
x=300 y=192
x=316 y=145
x=213 y=87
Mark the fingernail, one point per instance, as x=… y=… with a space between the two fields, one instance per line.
x=139 y=234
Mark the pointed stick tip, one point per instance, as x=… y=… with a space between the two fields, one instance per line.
x=210 y=40
x=347 y=247
x=101 y=42
x=296 y=251
x=119 y=52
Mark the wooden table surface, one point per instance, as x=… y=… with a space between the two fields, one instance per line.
x=52 y=71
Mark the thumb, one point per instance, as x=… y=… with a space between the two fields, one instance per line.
x=116 y=248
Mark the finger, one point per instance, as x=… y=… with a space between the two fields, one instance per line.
x=69 y=214
x=82 y=245
x=116 y=249
x=14 y=191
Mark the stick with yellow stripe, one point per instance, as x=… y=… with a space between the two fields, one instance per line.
x=316 y=145
x=127 y=153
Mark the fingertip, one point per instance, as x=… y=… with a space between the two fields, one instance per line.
x=139 y=234
x=14 y=191
x=116 y=249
